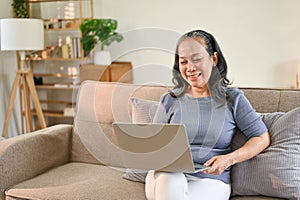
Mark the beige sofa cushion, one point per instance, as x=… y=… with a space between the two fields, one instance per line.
x=99 y=104
x=272 y=100
x=78 y=181
x=263 y=100
x=26 y=156
x=254 y=198
x=289 y=99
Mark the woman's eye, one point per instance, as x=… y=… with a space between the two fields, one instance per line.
x=183 y=62
x=197 y=60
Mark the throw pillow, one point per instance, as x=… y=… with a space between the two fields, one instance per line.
x=274 y=172
x=143 y=111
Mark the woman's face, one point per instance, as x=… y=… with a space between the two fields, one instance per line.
x=195 y=64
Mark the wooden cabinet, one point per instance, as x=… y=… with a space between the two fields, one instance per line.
x=56 y=68
x=116 y=72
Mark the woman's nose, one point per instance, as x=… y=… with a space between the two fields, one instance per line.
x=191 y=66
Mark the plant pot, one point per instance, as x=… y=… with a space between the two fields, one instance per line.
x=102 y=58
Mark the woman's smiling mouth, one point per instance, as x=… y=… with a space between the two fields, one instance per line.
x=194 y=76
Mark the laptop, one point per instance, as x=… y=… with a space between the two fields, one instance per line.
x=160 y=147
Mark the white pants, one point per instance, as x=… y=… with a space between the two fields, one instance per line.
x=176 y=186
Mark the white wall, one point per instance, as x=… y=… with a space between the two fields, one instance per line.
x=260 y=38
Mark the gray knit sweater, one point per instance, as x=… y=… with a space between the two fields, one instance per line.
x=210 y=127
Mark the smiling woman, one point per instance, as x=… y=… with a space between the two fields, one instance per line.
x=211 y=112
x=195 y=66
x=199 y=62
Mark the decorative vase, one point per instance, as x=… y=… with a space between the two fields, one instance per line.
x=102 y=58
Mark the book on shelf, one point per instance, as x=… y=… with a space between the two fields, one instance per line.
x=75 y=47
x=69 y=111
x=62 y=85
x=58 y=85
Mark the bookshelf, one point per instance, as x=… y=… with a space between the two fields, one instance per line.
x=56 y=68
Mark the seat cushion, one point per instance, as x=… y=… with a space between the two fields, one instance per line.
x=84 y=181
x=78 y=181
x=254 y=198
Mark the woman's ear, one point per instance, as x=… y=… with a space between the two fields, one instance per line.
x=215 y=58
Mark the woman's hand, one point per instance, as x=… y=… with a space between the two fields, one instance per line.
x=251 y=148
x=218 y=164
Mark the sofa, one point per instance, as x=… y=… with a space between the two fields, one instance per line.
x=71 y=161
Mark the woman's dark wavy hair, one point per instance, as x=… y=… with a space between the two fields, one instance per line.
x=218 y=80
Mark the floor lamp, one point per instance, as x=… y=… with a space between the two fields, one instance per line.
x=19 y=34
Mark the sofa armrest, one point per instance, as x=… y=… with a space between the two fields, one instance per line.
x=29 y=155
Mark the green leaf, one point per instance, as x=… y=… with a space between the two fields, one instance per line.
x=99 y=31
x=21 y=8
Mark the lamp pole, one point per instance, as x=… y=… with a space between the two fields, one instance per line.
x=22 y=35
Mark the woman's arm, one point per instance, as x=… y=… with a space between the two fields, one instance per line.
x=251 y=148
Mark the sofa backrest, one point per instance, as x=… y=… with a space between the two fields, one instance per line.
x=99 y=104
x=272 y=100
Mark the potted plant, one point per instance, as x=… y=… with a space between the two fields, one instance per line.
x=100 y=32
x=21 y=8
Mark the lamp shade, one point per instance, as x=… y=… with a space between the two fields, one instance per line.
x=20 y=34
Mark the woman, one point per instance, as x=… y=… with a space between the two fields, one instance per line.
x=211 y=112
